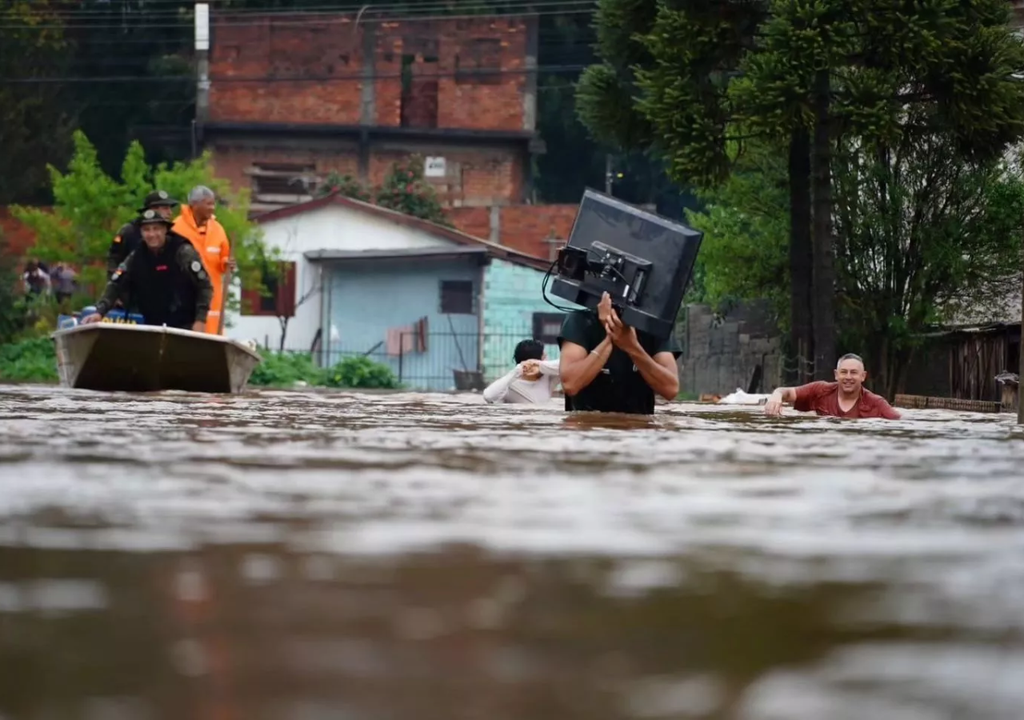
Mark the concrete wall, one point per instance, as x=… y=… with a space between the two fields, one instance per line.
x=721 y=353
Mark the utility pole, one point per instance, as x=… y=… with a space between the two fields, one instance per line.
x=202 y=13
x=1020 y=370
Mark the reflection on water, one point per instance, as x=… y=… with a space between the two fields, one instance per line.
x=306 y=556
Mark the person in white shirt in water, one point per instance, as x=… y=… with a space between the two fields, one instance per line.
x=533 y=380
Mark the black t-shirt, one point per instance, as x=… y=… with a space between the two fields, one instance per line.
x=619 y=387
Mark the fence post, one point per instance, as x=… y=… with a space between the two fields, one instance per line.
x=401 y=354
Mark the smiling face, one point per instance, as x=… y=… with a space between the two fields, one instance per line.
x=203 y=209
x=851 y=376
x=154 y=235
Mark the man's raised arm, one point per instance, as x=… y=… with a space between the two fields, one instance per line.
x=578 y=368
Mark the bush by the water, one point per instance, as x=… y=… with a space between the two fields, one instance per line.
x=286 y=369
x=31 y=360
x=360 y=372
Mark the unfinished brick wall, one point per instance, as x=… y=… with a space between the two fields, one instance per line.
x=475 y=221
x=304 y=69
x=289 y=69
x=474 y=177
x=231 y=161
x=525 y=228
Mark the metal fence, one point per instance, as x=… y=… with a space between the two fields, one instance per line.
x=441 y=362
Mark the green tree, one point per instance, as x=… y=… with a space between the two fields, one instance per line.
x=923 y=235
x=90 y=206
x=35 y=120
x=405 y=191
x=695 y=80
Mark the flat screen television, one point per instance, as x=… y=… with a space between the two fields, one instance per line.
x=644 y=261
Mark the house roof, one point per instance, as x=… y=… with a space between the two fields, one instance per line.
x=459 y=238
x=436 y=253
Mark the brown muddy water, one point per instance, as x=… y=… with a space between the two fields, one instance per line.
x=284 y=555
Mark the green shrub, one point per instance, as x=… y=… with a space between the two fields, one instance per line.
x=360 y=372
x=286 y=369
x=31 y=360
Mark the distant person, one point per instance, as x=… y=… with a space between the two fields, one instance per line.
x=129 y=236
x=606 y=366
x=199 y=226
x=844 y=398
x=164 y=280
x=36 y=281
x=532 y=381
x=64 y=279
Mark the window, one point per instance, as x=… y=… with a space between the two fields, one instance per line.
x=479 y=63
x=283 y=183
x=277 y=297
x=456 y=297
x=547 y=327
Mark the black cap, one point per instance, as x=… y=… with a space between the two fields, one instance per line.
x=158 y=198
x=152 y=217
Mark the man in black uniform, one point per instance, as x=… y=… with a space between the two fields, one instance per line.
x=163 y=279
x=608 y=367
x=129 y=237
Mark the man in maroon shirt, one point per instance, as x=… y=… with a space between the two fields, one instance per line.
x=845 y=398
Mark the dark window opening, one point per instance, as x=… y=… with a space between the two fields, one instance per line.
x=547 y=327
x=457 y=297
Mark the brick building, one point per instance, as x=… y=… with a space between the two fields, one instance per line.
x=293 y=97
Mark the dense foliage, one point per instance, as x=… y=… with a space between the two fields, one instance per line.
x=403 y=190
x=90 y=206
x=923 y=236
x=31 y=360
x=702 y=84
x=285 y=369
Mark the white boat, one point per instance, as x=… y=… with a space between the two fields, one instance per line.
x=145 y=358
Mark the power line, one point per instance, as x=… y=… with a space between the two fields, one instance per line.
x=352 y=77
x=581 y=7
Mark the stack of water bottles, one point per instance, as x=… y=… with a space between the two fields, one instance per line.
x=117 y=317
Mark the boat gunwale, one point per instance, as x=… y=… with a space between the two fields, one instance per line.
x=162 y=329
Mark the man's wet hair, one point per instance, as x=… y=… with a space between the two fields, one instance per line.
x=529 y=350
x=850 y=356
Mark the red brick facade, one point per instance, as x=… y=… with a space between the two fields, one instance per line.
x=526 y=228
x=294 y=97
x=302 y=69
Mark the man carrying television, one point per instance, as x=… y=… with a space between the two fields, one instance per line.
x=606 y=366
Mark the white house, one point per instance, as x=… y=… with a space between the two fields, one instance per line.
x=425 y=299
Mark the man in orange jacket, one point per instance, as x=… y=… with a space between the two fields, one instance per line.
x=198 y=223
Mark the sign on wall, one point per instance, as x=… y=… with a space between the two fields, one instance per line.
x=434 y=167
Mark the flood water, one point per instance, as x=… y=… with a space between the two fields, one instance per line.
x=303 y=556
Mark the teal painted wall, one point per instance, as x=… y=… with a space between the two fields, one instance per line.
x=366 y=299
x=512 y=294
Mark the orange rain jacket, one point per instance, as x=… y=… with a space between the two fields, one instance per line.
x=211 y=242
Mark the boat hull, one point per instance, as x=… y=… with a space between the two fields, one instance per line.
x=147 y=358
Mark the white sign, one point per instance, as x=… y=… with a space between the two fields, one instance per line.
x=202 y=26
x=434 y=167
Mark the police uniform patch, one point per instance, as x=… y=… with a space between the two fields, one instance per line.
x=196 y=266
